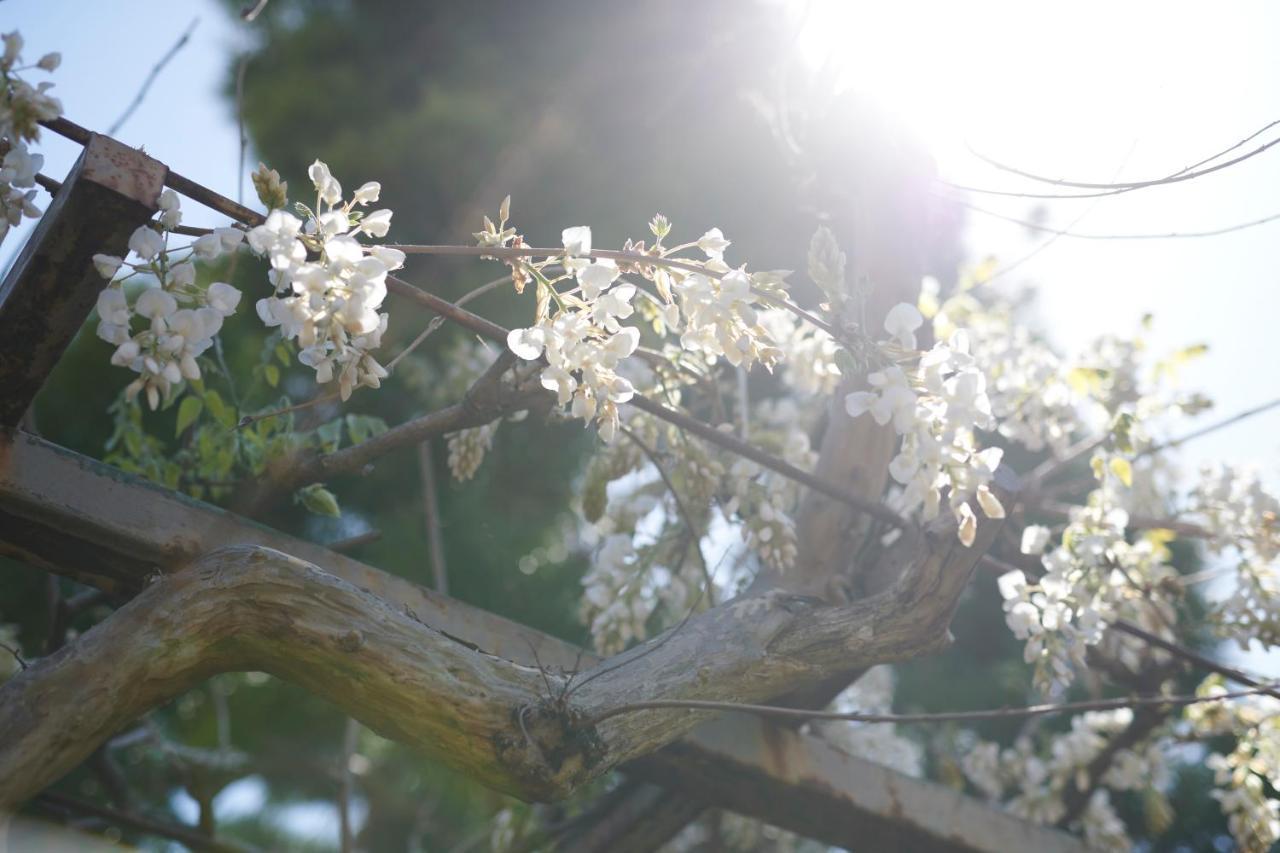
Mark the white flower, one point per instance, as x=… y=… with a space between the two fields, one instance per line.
x=596 y=277
x=901 y=323
x=392 y=259
x=1035 y=538
x=50 y=61
x=326 y=185
x=368 y=193
x=170 y=210
x=181 y=275
x=146 y=243
x=376 y=224
x=113 y=307
x=155 y=304
x=223 y=298
x=107 y=265
x=12 y=49
x=713 y=244
x=577 y=240
x=20 y=166
x=212 y=245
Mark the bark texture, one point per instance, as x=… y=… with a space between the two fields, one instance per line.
x=505 y=724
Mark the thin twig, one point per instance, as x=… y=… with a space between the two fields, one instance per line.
x=250 y=420
x=1103 y=190
x=633 y=258
x=244 y=138
x=249 y=13
x=680 y=506
x=431 y=513
x=1176 y=177
x=1213 y=427
x=53 y=801
x=151 y=77
x=17 y=655
x=438 y=321
x=945 y=717
x=1168 y=235
x=876 y=510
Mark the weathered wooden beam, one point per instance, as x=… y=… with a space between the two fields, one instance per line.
x=84 y=519
x=636 y=817
x=765 y=771
x=111 y=190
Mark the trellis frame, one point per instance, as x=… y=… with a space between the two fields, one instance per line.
x=82 y=519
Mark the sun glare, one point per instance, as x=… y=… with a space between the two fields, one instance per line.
x=1019 y=80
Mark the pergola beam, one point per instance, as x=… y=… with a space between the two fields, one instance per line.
x=111 y=190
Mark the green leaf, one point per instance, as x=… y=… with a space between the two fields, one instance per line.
x=357 y=429
x=363 y=427
x=330 y=435
x=272 y=374
x=595 y=493
x=319 y=500
x=1122 y=469
x=133 y=443
x=221 y=412
x=188 y=412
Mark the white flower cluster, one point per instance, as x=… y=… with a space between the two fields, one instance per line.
x=645 y=563
x=1094 y=577
x=1243 y=775
x=467 y=449
x=878 y=742
x=22 y=108
x=330 y=305
x=1244 y=519
x=767 y=523
x=1032 y=402
x=809 y=354
x=178 y=319
x=1031 y=781
x=935 y=408
x=584 y=342
x=626 y=585
x=764 y=500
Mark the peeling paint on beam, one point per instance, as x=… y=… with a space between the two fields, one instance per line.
x=45 y=298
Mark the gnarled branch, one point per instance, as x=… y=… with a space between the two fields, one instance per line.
x=251 y=608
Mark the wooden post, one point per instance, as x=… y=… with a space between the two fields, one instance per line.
x=111 y=190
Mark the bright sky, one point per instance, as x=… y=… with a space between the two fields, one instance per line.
x=1101 y=91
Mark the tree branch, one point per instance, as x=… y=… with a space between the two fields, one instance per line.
x=250 y=608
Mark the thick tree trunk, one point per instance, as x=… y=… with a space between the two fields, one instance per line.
x=250 y=608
